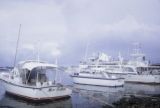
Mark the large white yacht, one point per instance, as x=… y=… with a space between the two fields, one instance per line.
x=29 y=80
x=146 y=73
x=137 y=69
x=104 y=63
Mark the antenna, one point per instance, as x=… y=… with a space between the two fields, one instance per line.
x=38 y=58
x=17 y=45
x=86 y=52
x=55 y=79
x=120 y=60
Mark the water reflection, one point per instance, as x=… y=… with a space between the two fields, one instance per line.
x=104 y=95
x=13 y=102
x=122 y=96
x=138 y=102
x=2 y=91
x=139 y=96
x=142 y=89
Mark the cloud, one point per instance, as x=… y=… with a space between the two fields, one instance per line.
x=40 y=20
x=56 y=52
x=28 y=46
x=130 y=25
x=63 y=27
x=51 y=48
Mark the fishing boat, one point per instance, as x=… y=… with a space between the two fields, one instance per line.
x=29 y=80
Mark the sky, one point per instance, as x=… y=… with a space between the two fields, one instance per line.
x=61 y=29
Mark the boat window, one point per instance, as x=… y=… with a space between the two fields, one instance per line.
x=85 y=72
x=24 y=74
x=32 y=76
x=43 y=75
x=128 y=69
x=76 y=74
x=51 y=74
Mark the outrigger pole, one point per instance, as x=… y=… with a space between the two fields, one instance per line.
x=15 y=58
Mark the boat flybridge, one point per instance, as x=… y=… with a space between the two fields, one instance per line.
x=105 y=63
x=31 y=80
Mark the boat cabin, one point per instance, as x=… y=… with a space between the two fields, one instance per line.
x=33 y=72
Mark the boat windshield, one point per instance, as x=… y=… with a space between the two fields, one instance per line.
x=40 y=74
x=127 y=69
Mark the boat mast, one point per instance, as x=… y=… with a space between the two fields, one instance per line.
x=15 y=58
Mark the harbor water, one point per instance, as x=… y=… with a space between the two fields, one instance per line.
x=84 y=96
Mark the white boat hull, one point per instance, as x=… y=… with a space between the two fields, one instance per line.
x=143 y=78
x=98 y=81
x=43 y=93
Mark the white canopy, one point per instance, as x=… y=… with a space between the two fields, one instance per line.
x=34 y=64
